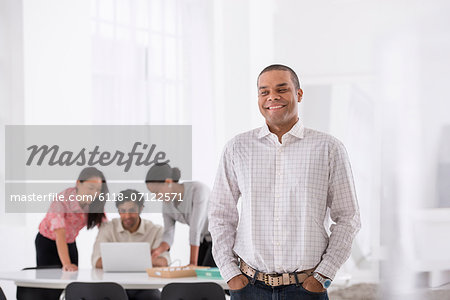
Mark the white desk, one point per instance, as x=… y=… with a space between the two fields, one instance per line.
x=57 y=279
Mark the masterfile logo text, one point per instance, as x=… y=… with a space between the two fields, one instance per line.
x=54 y=156
x=43 y=160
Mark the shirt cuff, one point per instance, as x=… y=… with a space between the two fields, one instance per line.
x=229 y=271
x=327 y=269
x=194 y=240
x=169 y=242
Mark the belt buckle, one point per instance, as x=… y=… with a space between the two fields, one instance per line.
x=267 y=276
x=266 y=279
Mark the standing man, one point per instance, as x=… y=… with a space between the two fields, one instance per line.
x=287 y=177
x=131 y=228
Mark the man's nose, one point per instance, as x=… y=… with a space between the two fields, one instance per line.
x=273 y=96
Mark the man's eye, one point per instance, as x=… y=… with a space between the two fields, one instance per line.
x=282 y=90
x=264 y=93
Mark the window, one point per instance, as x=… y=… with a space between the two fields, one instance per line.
x=137 y=62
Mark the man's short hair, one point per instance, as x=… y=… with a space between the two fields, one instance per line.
x=130 y=195
x=294 y=76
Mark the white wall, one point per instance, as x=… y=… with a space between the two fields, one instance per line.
x=413 y=60
x=57 y=62
x=48 y=81
x=11 y=111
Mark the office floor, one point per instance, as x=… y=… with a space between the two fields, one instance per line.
x=371 y=291
x=366 y=291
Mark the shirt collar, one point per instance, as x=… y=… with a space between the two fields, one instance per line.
x=264 y=131
x=119 y=226
x=298 y=130
x=141 y=228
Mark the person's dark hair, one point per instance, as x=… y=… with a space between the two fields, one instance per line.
x=130 y=195
x=97 y=207
x=160 y=172
x=294 y=76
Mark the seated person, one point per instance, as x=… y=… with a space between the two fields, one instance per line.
x=131 y=228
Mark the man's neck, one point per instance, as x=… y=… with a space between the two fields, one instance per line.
x=280 y=130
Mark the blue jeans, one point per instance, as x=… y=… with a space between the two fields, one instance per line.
x=260 y=291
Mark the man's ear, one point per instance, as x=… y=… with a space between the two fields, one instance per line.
x=299 y=95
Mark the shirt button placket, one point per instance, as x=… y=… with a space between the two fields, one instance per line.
x=277 y=205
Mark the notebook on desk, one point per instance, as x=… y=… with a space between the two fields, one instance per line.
x=125 y=257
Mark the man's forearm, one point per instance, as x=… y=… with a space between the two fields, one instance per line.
x=194 y=255
x=99 y=263
x=338 y=250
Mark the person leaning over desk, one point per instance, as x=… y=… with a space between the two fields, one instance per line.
x=130 y=227
x=188 y=206
x=55 y=241
x=287 y=177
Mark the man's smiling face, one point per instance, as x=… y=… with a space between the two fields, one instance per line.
x=278 y=98
x=129 y=215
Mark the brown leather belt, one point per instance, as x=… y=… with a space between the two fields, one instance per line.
x=275 y=279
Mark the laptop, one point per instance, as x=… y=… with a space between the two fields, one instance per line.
x=125 y=257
